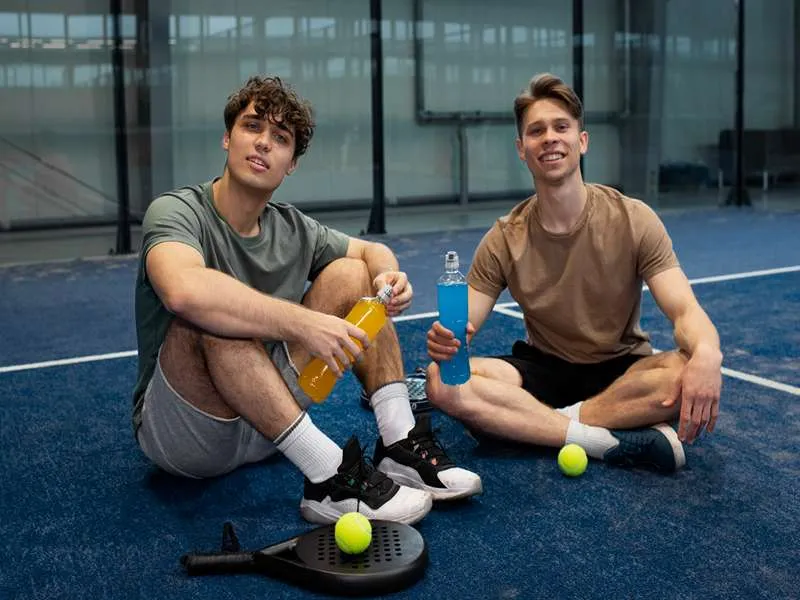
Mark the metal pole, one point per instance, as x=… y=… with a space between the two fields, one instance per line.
x=739 y=191
x=577 y=51
x=377 y=216
x=123 y=198
x=797 y=63
x=463 y=159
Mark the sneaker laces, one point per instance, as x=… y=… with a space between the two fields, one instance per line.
x=632 y=445
x=427 y=446
x=363 y=477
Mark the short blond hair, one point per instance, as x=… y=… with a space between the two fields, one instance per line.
x=547 y=86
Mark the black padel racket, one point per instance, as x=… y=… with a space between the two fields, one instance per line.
x=395 y=559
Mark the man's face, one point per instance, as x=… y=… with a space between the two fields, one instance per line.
x=260 y=151
x=551 y=142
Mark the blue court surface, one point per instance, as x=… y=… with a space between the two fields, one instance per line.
x=84 y=515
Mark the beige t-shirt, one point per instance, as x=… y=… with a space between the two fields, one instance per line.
x=580 y=291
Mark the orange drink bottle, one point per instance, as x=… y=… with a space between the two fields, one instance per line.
x=370 y=315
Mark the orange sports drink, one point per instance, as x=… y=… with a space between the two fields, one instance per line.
x=370 y=315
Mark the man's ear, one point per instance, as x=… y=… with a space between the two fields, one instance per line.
x=520 y=149
x=292 y=167
x=584 y=141
x=226 y=140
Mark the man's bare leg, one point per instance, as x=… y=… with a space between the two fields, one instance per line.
x=335 y=291
x=206 y=371
x=636 y=398
x=227 y=378
x=493 y=402
x=380 y=371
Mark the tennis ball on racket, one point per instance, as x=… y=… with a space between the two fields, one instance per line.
x=572 y=460
x=353 y=533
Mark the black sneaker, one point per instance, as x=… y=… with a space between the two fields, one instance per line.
x=416 y=393
x=656 y=447
x=358 y=486
x=420 y=462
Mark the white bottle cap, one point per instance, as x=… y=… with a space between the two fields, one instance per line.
x=451 y=261
x=385 y=294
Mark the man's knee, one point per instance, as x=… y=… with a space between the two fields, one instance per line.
x=187 y=346
x=339 y=286
x=674 y=360
x=669 y=372
x=181 y=342
x=347 y=274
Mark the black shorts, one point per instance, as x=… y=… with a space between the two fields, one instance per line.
x=559 y=383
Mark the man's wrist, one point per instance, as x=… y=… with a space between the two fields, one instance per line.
x=708 y=354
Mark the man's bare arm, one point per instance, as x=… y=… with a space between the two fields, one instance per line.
x=695 y=334
x=217 y=302
x=693 y=330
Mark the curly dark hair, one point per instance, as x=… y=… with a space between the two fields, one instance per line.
x=274 y=98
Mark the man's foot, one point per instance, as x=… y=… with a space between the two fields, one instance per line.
x=446 y=395
x=656 y=447
x=358 y=486
x=419 y=461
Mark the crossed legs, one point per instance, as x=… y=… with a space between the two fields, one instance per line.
x=494 y=402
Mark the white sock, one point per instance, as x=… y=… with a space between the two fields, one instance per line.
x=573 y=412
x=310 y=450
x=595 y=440
x=393 y=412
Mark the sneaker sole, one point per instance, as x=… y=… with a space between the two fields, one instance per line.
x=408 y=477
x=322 y=514
x=677 y=447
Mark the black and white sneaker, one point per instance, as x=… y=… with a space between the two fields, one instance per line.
x=419 y=461
x=358 y=486
x=656 y=447
x=417 y=398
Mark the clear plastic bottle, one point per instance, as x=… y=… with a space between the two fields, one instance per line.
x=452 y=298
x=370 y=315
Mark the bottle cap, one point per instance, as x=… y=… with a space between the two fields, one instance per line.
x=451 y=261
x=385 y=294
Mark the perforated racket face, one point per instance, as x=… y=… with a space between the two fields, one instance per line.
x=416 y=388
x=394 y=547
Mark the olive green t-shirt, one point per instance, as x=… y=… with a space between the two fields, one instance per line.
x=580 y=291
x=289 y=250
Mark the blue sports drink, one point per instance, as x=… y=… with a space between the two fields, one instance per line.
x=451 y=291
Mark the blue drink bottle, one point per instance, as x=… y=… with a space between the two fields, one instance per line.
x=451 y=291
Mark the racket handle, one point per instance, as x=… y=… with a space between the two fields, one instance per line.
x=217 y=564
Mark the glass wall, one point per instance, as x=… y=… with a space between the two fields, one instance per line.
x=56 y=122
x=321 y=47
x=658 y=80
x=772 y=102
x=698 y=98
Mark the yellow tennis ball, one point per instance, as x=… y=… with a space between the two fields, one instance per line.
x=572 y=460
x=353 y=533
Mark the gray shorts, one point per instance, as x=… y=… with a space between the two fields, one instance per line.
x=184 y=440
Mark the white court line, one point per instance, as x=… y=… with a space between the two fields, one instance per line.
x=501 y=308
x=67 y=361
x=775 y=385
x=712 y=279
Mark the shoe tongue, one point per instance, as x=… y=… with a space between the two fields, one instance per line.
x=423 y=426
x=351 y=454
